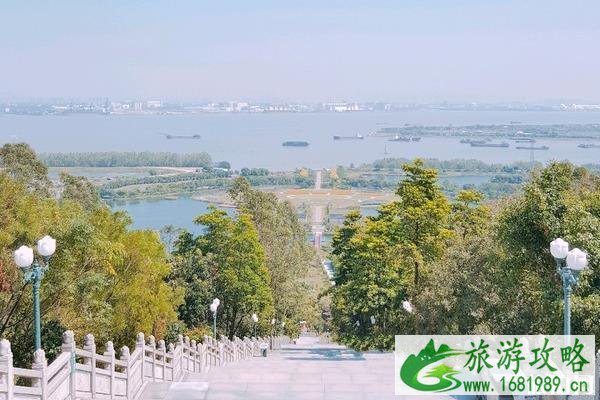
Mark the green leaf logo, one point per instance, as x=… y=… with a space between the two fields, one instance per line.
x=409 y=372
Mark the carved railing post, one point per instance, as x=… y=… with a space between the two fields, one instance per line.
x=89 y=344
x=40 y=364
x=207 y=347
x=152 y=346
x=110 y=352
x=193 y=354
x=171 y=352
x=68 y=346
x=6 y=363
x=203 y=356
x=180 y=354
x=140 y=344
x=221 y=353
x=188 y=351
x=162 y=349
x=224 y=347
x=126 y=358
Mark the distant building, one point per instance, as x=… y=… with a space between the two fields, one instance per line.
x=151 y=104
x=341 y=107
x=241 y=106
x=581 y=107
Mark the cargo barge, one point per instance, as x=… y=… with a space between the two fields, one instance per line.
x=295 y=143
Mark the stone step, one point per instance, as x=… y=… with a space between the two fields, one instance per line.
x=187 y=391
x=191 y=390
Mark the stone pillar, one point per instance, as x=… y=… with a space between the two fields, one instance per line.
x=89 y=344
x=208 y=350
x=181 y=354
x=40 y=364
x=140 y=344
x=68 y=346
x=193 y=355
x=6 y=362
x=163 y=360
x=220 y=344
x=188 y=351
x=110 y=352
x=126 y=358
x=171 y=352
x=152 y=346
x=203 y=349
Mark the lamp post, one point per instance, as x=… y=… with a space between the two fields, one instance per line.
x=213 y=308
x=408 y=307
x=255 y=320
x=568 y=265
x=33 y=272
x=272 y=330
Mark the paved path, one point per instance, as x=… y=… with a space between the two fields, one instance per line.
x=305 y=371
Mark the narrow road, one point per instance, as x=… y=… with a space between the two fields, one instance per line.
x=317 y=214
x=318 y=179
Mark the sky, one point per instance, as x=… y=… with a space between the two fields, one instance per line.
x=397 y=50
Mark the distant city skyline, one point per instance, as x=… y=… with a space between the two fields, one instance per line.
x=157 y=106
x=402 y=52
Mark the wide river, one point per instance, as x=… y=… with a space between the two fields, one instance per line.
x=254 y=140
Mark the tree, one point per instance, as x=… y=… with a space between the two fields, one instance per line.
x=419 y=219
x=469 y=216
x=103 y=278
x=79 y=190
x=296 y=277
x=20 y=162
x=226 y=262
x=342 y=248
x=378 y=260
x=509 y=259
x=560 y=200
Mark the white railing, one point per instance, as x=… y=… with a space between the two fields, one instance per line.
x=84 y=374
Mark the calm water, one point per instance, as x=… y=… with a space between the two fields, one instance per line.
x=254 y=140
x=155 y=214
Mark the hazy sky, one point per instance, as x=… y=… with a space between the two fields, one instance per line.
x=397 y=50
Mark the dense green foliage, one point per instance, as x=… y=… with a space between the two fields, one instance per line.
x=114 y=282
x=254 y=172
x=258 y=262
x=21 y=163
x=479 y=269
x=226 y=262
x=380 y=262
x=79 y=190
x=154 y=186
x=296 y=276
x=455 y=165
x=104 y=278
x=126 y=159
x=147 y=180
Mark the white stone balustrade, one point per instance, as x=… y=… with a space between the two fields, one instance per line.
x=84 y=374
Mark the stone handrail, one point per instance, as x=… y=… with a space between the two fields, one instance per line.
x=84 y=374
